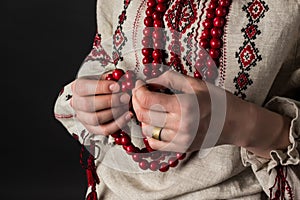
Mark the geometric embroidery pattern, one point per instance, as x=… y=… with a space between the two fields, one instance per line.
x=248 y=55
x=98 y=52
x=119 y=38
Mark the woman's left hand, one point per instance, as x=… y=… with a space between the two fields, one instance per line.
x=185 y=116
x=203 y=115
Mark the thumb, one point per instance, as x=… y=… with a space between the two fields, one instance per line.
x=176 y=81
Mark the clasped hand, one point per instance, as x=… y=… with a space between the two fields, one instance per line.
x=184 y=117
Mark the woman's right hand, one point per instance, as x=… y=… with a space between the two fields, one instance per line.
x=100 y=106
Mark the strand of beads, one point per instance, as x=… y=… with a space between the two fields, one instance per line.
x=147 y=158
x=211 y=41
x=154 y=38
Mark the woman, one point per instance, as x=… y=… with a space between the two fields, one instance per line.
x=234 y=108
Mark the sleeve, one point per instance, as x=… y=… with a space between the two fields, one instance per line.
x=97 y=62
x=280 y=175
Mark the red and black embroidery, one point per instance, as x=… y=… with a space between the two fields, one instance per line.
x=119 y=37
x=281 y=186
x=180 y=17
x=189 y=55
x=135 y=31
x=248 y=55
x=98 y=52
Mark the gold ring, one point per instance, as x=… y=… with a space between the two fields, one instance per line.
x=156 y=133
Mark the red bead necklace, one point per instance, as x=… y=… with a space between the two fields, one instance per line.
x=211 y=39
x=147 y=158
x=154 y=60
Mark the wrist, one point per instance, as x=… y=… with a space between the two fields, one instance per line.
x=259 y=130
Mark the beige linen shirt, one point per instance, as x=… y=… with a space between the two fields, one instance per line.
x=260 y=63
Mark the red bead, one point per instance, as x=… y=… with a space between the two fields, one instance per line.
x=131 y=149
x=144 y=164
x=161 y=1
x=148 y=21
x=199 y=63
x=117 y=74
x=116 y=134
x=221 y=11
x=151 y=3
x=147 y=145
x=129 y=84
x=180 y=156
x=219 y=22
x=164 y=167
x=155 y=73
x=214 y=53
x=224 y=3
x=124 y=87
x=161 y=7
x=213 y=5
x=118 y=140
x=109 y=77
x=210 y=13
x=197 y=74
x=157 y=15
x=157 y=55
x=137 y=157
x=204 y=43
x=157 y=23
x=146 y=42
x=147 y=60
x=149 y=11
x=210 y=63
x=158 y=34
x=154 y=165
x=215 y=43
x=147 y=31
x=216 y=32
x=125 y=140
x=202 y=54
x=147 y=71
x=205 y=34
x=147 y=51
x=207 y=23
x=130 y=75
x=158 y=44
x=211 y=74
x=173 y=162
x=156 y=65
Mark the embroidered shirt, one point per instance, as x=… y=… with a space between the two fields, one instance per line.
x=260 y=63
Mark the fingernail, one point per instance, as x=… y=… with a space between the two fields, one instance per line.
x=113 y=86
x=128 y=116
x=125 y=98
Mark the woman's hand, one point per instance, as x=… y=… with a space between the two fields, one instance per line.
x=99 y=105
x=203 y=115
x=184 y=117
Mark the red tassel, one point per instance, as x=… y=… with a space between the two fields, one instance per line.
x=283 y=185
x=92 y=196
x=91 y=173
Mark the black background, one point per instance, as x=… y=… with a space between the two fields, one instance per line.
x=44 y=43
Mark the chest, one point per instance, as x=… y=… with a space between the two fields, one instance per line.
x=256 y=39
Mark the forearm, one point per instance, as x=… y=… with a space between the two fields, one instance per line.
x=255 y=128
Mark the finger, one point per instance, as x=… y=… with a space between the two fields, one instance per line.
x=177 y=81
x=166 y=135
x=156 y=118
x=89 y=87
x=154 y=100
x=165 y=146
x=101 y=117
x=111 y=127
x=100 y=102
